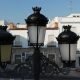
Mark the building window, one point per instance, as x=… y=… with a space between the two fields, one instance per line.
x=79 y=61
x=74 y=16
x=17 y=59
x=51 y=57
x=28 y=42
x=51 y=41
x=17 y=42
x=28 y=55
x=78 y=16
x=23 y=57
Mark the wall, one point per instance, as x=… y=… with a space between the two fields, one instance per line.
x=3 y=22
x=51 y=32
x=23 y=36
x=74 y=22
x=45 y=51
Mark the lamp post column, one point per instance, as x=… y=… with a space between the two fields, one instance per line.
x=36 y=24
x=36 y=60
x=36 y=63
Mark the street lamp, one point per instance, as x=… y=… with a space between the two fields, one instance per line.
x=36 y=24
x=67 y=41
x=6 y=41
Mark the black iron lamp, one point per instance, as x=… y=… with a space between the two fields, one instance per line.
x=36 y=24
x=6 y=41
x=67 y=41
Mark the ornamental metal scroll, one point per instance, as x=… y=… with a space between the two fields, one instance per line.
x=48 y=68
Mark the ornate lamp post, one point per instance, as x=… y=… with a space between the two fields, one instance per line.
x=67 y=41
x=36 y=24
x=6 y=41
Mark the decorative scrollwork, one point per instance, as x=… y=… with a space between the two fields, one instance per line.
x=48 y=68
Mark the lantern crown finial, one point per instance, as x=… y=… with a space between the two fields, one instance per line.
x=36 y=18
x=67 y=27
x=36 y=9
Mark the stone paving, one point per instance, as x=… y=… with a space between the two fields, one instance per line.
x=61 y=78
x=73 y=75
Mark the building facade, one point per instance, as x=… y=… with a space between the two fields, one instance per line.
x=74 y=21
x=21 y=48
x=3 y=22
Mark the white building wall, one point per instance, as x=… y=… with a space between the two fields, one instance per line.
x=75 y=28
x=3 y=22
x=21 y=25
x=51 y=32
x=23 y=36
x=74 y=22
